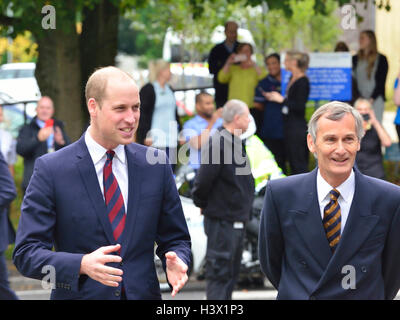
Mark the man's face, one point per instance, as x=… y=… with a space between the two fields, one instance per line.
x=243 y=120
x=44 y=109
x=335 y=147
x=116 y=121
x=205 y=107
x=231 y=32
x=273 y=66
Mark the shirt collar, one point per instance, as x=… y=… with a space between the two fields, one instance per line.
x=97 y=152
x=346 y=188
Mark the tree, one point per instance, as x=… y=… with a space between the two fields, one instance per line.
x=68 y=55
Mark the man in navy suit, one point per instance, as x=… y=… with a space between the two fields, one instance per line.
x=332 y=233
x=103 y=231
x=7 y=194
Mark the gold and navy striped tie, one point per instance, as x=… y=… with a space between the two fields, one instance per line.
x=332 y=219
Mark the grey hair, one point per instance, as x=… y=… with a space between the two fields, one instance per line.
x=232 y=108
x=335 y=111
x=362 y=100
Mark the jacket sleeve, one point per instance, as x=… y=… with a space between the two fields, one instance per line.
x=208 y=172
x=298 y=96
x=172 y=231
x=225 y=77
x=147 y=101
x=270 y=243
x=213 y=63
x=33 y=255
x=380 y=77
x=391 y=258
x=7 y=187
x=27 y=142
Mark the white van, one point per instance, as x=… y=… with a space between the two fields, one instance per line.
x=17 y=80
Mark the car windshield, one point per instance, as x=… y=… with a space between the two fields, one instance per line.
x=16 y=73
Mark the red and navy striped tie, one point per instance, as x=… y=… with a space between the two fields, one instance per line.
x=113 y=197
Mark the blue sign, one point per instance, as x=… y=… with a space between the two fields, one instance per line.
x=329 y=75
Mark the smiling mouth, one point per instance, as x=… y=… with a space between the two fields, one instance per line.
x=340 y=161
x=127 y=130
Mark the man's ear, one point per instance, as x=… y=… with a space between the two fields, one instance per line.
x=92 y=106
x=310 y=143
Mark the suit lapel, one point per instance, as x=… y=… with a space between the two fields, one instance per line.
x=91 y=183
x=308 y=221
x=359 y=225
x=134 y=181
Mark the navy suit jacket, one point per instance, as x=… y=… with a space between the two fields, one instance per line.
x=294 y=252
x=64 y=207
x=7 y=195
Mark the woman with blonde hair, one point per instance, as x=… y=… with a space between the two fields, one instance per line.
x=370 y=69
x=159 y=122
x=294 y=110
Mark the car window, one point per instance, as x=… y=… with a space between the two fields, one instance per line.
x=8 y=73
x=16 y=73
x=14 y=117
x=26 y=73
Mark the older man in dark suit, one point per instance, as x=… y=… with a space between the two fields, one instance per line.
x=332 y=233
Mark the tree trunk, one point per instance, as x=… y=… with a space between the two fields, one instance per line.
x=59 y=76
x=98 y=41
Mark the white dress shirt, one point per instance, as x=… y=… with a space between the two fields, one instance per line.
x=345 y=199
x=119 y=165
x=8 y=147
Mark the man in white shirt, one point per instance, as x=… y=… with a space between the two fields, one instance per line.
x=332 y=233
x=103 y=206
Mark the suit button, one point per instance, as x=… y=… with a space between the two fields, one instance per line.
x=121 y=263
x=303 y=263
x=117 y=293
x=364 y=269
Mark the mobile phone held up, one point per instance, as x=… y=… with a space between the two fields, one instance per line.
x=239 y=58
x=49 y=123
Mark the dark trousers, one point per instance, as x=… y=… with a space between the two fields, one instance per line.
x=258 y=116
x=277 y=147
x=5 y=292
x=296 y=145
x=223 y=258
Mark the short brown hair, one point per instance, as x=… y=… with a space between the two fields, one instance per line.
x=97 y=83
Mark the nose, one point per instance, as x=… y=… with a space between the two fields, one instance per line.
x=340 y=149
x=131 y=117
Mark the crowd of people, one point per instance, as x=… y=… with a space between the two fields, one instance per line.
x=245 y=95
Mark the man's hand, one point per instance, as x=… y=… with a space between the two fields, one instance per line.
x=176 y=272
x=93 y=265
x=44 y=133
x=58 y=136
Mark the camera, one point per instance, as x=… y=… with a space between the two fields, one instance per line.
x=240 y=58
x=366 y=116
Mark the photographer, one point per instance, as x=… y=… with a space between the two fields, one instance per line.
x=242 y=75
x=369 y=159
